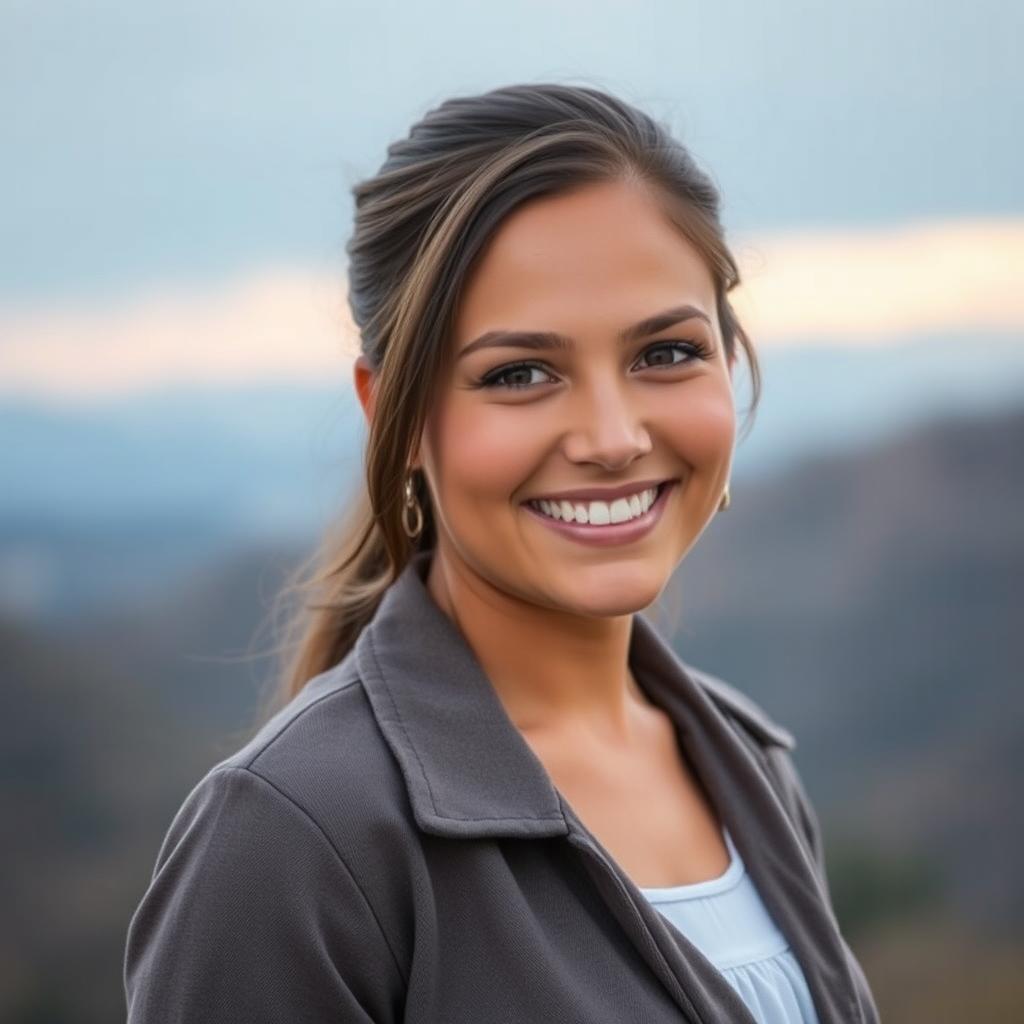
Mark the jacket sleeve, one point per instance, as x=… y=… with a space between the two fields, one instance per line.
x=252 y=915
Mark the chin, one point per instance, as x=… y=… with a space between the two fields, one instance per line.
x=621 y=594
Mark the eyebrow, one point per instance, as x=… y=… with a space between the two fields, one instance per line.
x=552 y=340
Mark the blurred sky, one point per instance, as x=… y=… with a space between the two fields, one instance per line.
x=175 y=179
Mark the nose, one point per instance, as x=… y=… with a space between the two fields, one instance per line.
x=608 y=428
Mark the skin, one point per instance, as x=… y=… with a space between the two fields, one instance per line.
x=548 y=618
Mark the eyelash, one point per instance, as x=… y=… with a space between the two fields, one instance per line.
x=695 y=349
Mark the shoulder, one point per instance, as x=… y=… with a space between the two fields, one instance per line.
x=320 y=775
x=742 y=708
x=286 y=745
x=328 y=721
x=324 y=753
x=304 y=809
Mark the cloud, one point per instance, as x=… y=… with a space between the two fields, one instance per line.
x=276 y=324
x=871 y=286
x=878 y=286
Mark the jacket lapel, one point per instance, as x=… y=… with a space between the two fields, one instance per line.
x=470 y=774
x=774 y=856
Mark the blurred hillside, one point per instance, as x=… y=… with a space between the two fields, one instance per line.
x=870 y=600
x=98 y=500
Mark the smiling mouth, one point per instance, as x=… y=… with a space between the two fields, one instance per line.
x=603 y=534
x=601 y=515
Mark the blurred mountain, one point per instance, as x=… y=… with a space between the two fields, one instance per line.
x=99 y=503
x=870 y=600
x=96 y=501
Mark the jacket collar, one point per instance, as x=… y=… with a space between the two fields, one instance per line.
x=468 y=770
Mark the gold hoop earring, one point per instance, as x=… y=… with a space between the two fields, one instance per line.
x=726 y=500
x=411 y=503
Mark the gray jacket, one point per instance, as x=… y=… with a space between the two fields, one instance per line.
x=389 y=848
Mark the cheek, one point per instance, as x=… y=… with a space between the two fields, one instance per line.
x=697 y=422
x=485 y=453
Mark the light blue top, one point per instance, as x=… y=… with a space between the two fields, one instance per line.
x=726 y=920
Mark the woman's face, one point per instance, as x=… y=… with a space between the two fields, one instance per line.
x=609 y=408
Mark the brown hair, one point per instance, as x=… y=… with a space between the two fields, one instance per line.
x=419 y=224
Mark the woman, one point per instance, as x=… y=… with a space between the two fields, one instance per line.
x=494 y=793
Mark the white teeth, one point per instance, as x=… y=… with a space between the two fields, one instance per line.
x=599 y=513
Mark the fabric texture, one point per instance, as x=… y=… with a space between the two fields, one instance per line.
x=389 y=848
x=726 y=919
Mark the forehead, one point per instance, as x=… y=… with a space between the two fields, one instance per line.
x=605 y=254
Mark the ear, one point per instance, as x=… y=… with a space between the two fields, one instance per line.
x=365 y=380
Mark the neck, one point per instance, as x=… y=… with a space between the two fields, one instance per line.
x=553 y=671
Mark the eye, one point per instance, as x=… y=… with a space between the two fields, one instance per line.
x=495 y=378
x=500 y=378
x=691 y=349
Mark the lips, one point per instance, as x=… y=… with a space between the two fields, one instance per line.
x=600 y=512
x=609 y=534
